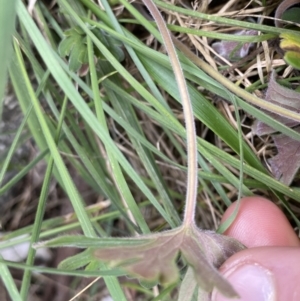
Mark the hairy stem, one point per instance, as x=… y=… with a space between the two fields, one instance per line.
x=192 y=180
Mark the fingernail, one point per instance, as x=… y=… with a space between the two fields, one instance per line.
x=251 y=282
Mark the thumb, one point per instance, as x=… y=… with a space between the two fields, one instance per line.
x=269 y=269
x=263 y=274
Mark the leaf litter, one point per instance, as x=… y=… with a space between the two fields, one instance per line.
x=286 y=163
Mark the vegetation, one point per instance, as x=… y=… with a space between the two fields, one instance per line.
x=102 y=116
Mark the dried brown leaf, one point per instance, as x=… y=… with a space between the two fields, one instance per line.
x=259 y=128
x=281 y=96
x=286 y=163
x=232 y=50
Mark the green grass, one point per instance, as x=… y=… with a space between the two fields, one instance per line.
x=121 y=127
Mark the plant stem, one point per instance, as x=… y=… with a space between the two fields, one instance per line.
x=192 y=180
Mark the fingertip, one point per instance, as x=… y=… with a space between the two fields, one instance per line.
x=260 y=223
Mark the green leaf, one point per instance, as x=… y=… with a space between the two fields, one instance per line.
x=74 y=45
x=292 y=15
x=77 y=261
x=79 y=241
x=65 y=46
x=291 y=44
x=9 y=283
x=75 y=56
x=188 y=286
x=293 y=59
x=55 y=271
x=7 y=27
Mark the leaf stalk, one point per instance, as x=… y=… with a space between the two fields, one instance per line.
x=192 y=180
